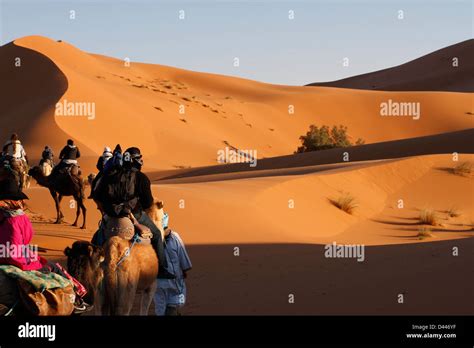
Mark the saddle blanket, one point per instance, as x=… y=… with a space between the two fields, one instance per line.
x=36 y=279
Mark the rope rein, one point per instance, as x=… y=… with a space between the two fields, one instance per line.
x=135 y=239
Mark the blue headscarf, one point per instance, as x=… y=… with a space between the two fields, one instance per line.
x=165 y=221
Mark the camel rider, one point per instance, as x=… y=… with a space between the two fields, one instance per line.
x=104 y=161
x=47 y=156
x=106 y=155
x=127 y=190
x=68 y=156
x=13 y=151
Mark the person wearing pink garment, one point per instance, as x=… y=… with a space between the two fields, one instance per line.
x=16 y=233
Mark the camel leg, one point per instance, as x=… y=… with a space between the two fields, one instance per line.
x=83 y=208
x=99 y=302
x=147 y=297
x=127 y=289
x=61 y=215
x=78 y=212
x=57 y=201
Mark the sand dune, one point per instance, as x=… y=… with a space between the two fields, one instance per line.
x=432 y=72
x=280 y=213
x=140 y=105
x=447 y=143
x=283 y=248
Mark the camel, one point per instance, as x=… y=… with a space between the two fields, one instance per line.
x=121 y=277
x=62 y=185
x=8 y=293
x=124 y=276
x=21 y=177
x=156 y=213
x=84 y=262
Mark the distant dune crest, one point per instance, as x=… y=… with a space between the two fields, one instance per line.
x=449 y=69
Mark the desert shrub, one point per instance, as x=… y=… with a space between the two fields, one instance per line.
x=453 y=212
x=463 y=169
x=323 y=138
x=346 y=202
x=429 y=217
x=424 y=232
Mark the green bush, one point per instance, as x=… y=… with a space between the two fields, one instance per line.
x=323 y=138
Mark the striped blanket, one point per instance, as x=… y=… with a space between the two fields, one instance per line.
x=38 y=280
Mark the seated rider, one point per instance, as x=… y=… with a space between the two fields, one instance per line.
x=125 y=190
x=106 y=155
x=115 y=162
x=13 y=151
x=105 y=160
x=47 y=156
x=68 y=156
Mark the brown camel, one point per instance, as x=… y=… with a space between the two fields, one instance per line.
x=84 y=263
x=125 y=276
x=62 y=185
x=121 y=276
x=8 y=293
x=22 y=179
x=111 y=286
x=156 y=213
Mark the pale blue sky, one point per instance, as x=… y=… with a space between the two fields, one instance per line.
x=271 y=48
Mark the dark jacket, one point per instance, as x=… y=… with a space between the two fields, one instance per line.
x=70 y=153
x=100 y=164
x=142 y=193
x=47 y=155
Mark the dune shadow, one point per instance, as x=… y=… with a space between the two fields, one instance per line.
x=436 y=229
x=55 y=235
x=398 y=223
x=260 y=279
x=445 y=143
x=45 y=250
x=31 y=86
x=448 y=170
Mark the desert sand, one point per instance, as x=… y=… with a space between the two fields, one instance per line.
x=278 y=214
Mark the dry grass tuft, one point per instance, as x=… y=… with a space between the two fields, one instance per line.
x=429 y=217
x=463 y=169
x=424 y=232
x=346 y=202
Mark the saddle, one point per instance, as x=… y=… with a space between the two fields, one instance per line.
x=126 y=228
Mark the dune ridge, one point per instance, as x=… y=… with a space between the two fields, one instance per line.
x=448 y=69
x=140 y=105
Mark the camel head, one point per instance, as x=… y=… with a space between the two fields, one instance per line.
x=90 y=178
x=83 y=263
x=156 y=213
x=36 y=172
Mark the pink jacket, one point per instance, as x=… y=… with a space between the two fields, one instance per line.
x=16 y=233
